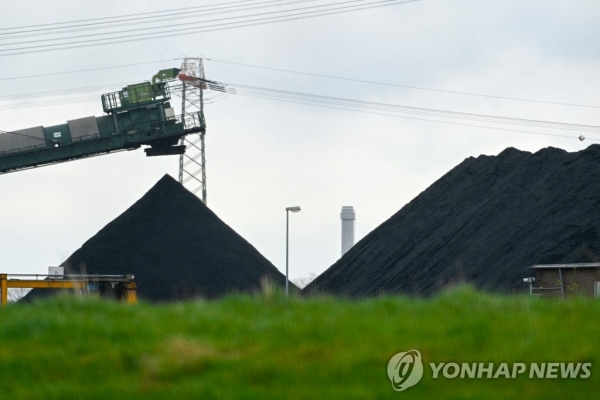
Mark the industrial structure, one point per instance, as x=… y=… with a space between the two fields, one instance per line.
x=118 y=287
x=192 y=163
x=348 y=217
x=564 y=280
x=140 y=114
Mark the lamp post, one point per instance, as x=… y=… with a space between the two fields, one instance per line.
x=294 y=209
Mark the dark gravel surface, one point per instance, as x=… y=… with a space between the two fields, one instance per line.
x=484 y=222
x=176 y=247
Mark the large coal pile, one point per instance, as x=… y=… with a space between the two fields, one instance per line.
x=176 y=247
x=485 y=222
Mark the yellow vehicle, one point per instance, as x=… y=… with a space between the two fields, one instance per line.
x=119 y=287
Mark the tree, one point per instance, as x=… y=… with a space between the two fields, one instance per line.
x=303 y=281
x=16 y=294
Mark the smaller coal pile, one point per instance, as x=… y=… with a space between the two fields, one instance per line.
x=176 y=247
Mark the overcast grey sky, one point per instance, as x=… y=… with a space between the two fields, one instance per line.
x=264 y=155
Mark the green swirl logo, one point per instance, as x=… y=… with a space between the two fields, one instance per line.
x=405 y=370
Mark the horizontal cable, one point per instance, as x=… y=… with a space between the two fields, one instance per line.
x=245 y=89
x=405 y=86
x=208 y=28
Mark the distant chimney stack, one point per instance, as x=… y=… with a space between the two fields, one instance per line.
x=348 y=218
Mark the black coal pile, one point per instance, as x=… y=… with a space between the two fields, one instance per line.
x=484 y=222
x=176 y=247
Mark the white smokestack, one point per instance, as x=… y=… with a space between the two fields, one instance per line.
x=348 y=217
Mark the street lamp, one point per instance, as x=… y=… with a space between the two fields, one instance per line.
x=294 y=209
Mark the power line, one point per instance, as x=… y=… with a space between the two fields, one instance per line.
x=426 y=119
x=229 y=88
x=62 y=92
x=324 y=101
x=122 y=16
x=179 y=30
x=85 y=99
x=367 y=107
x=160 y=18
x=46 y=103
x=359 y=106
x=209 y=28
x=71 y=100
x=81 y=70
x=404 y=86
x=55 y=93
x=242 y=89
x=310 y=74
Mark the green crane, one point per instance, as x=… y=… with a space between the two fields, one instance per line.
x=138 y=115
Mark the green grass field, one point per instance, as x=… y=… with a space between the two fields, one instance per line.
x=265 y=347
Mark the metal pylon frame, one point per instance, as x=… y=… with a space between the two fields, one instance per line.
x=192 y=164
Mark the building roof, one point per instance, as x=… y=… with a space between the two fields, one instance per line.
x=567 y=266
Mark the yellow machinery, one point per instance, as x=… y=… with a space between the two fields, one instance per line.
x=119 y=287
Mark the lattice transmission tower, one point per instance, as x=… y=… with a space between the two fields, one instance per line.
x=192 y=164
